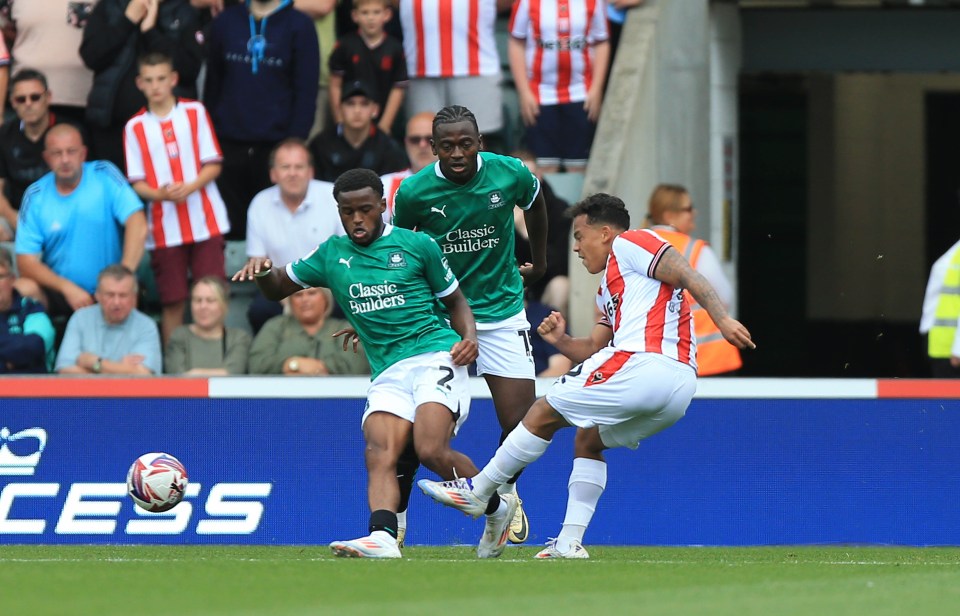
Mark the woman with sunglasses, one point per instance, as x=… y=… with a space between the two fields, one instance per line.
x=672 y=215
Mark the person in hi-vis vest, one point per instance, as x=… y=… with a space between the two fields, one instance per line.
x=672 y=215
x=941 y=313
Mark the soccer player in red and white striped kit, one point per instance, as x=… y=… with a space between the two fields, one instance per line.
x=173 y=158
x=638 y=372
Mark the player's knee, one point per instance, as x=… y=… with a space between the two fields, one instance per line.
x=543 y=420
x=380 y=458
x=588 y=444
x=432 y=455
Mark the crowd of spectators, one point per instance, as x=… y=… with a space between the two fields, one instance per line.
x=169 y=127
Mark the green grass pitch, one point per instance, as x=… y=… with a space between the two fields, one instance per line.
x=214 y=580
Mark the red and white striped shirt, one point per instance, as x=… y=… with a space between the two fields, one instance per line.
x=449 y=38
x=169 y=150
x=647 y=316
x=391 y=182
x=559 y=35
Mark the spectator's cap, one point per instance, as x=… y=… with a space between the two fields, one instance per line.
x=357 y=88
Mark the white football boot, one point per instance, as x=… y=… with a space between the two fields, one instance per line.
x=379 y=544
x=457 y=494
x=495 y=531
x=576 y=551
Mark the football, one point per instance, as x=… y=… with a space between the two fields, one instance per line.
x=157 y=482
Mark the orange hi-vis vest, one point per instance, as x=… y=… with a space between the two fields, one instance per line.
x=714 y=354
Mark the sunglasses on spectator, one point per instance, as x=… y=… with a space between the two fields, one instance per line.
x=418 y=139
x=23 y=98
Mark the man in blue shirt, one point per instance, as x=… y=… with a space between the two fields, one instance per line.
x=26 y=334
x=69 y=222
x=111 y=337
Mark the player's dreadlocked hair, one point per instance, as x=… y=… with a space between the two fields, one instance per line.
x=357 y=179
x=603 y=208
x=453 y=114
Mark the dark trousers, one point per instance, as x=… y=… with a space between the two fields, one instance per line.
x=245 y=172
x=941 y=369
x=107 y=144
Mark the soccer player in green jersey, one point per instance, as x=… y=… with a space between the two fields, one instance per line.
x=465 y=202
x=387 y=281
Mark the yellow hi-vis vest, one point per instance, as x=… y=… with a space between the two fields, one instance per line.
x=714 y=354
x=940 y=339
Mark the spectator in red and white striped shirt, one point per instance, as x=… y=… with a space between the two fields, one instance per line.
x=452 y=57
x=173 y=159
x=559 y=54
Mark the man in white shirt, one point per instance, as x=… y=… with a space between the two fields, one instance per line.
x=289 y=219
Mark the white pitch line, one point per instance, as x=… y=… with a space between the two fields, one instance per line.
x=855 y=563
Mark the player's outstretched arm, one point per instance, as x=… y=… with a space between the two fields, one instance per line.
x=674 y=269
x=273 y=282
x=461 y=318
x=553 y=329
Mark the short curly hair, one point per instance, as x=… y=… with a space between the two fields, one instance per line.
x=357 y=179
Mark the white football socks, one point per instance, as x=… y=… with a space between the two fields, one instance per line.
x=585 y=486
x=520 y=449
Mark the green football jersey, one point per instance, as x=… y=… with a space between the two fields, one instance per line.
x=473 y=224
x=388 y=291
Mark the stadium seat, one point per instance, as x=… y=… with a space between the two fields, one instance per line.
x=241 y=293
x=567 y=186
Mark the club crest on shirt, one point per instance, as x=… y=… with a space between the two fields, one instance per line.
x=676 y=301
x=396 y=259
x=496 y=200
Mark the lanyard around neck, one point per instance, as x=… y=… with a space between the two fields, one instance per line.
x=257 y=45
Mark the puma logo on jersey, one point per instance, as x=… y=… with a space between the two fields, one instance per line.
x=440 y=211
x=346 y=261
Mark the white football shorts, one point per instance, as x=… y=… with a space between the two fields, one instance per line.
x=505 y=348
x=629 y=396
x=428 y=377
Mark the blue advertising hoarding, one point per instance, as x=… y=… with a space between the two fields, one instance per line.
x=290 y=471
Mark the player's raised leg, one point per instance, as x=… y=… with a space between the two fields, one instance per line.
x=433 y=429
x=521 y=448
